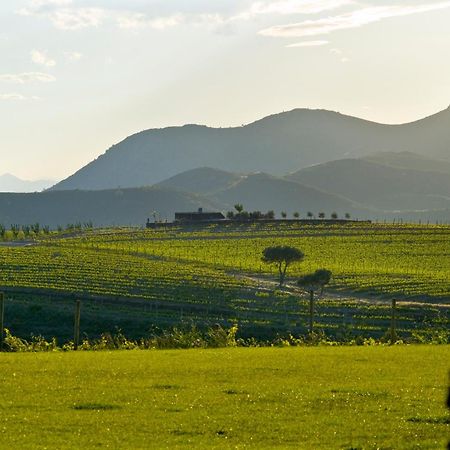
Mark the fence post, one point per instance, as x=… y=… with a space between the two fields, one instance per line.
x=394 y=321
x=2 y=321
x=76 y=330
x=311 y=312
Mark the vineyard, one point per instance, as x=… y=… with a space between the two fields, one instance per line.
x=214 y=274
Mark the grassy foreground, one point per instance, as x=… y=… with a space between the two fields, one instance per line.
x=321 y=397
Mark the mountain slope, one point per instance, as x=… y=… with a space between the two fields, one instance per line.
x=410 y=161
x=264 y=192
x=10 y=183
x=275 y=144
x=110 y=207
x=378 y=186
x=203 y=180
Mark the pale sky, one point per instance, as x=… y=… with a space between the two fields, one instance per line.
x=77 y=76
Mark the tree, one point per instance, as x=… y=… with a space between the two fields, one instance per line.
x=347 y=216
x=282 y=257
x=312 y=283
x=321 y=215
x=334 y=215
x=230 y=215
x=270 y=214
x=283 y=214
x=239 y=207
x=310 y=215
x=256 y=215
x=296 y=215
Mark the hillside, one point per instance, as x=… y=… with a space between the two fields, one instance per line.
x=109 y=207
x=409 y=160
x=262 y=192
x=203 y=180
x=11 y=183
x=276 y=144
x=378 y=186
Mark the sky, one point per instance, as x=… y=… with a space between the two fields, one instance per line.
x=77 y=76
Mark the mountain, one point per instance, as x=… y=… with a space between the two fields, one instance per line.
x=203 y=180
x=264 y=192
x=109 y=207
x=123 y=207
x=10 y=183
x=379 y=186
x=276 y=144
x=409 y=160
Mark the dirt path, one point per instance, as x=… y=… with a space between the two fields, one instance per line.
x=269 y=285
x=17 y=244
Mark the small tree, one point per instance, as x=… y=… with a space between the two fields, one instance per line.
x=239 y=207
x=282 y=257
x=312 y=283
x=310 y=215
x=283 y=214
x=256 y=215
x=270 y=214
x=321 y=215
x=334 y=215
x=347 y=216
x=296 y=215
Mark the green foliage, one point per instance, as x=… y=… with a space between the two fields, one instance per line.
x=282 y=256
x=36 y=344
x=175 y=338
x=315 y=281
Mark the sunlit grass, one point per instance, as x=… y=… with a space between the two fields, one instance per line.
x=312 y=398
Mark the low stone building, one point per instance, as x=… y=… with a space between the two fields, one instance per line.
x=199 y=216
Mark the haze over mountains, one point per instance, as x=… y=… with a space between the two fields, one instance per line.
x=11 y=183
x=299 y=161
x=379 y=186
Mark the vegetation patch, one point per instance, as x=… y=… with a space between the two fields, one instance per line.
x=94 y=407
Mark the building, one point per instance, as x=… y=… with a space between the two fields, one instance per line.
x=199 y=216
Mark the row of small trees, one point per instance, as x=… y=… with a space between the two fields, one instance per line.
x=241 y=214
x=282 y=257
x=29 y=231
x=22 y=231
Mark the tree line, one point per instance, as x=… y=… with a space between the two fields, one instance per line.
x=240 y=213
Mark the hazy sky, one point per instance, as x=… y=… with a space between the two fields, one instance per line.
x=77 y=76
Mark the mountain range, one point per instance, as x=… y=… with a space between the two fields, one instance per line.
x=11 y=183
x=300 y=161
x=276 y=144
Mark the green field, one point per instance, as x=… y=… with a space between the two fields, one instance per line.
x=136 y=279
x=311 y=398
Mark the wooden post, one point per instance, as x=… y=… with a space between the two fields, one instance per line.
x=311 y=312
x=76 y=330
x=394 y=321
x=2 y=322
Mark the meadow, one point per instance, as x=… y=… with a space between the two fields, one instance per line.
x=135 y=279
x=314 y=397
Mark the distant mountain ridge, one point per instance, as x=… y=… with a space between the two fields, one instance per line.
x=361 y=187
x=104 y=208
x=275 y=144
x=379 y=186
x=409 y=160
x=11 y=183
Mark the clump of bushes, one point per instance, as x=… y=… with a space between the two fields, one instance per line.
x=213 y=337
x=175 y=338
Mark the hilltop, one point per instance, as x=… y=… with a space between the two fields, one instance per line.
x=276 y=144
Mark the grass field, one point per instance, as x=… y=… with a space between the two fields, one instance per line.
x=135 y=279
x=311 y=398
